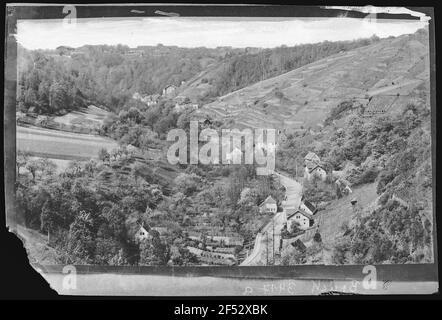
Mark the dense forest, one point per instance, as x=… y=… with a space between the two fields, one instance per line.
x=57 y=81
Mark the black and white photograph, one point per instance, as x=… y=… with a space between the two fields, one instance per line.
x=160 y=151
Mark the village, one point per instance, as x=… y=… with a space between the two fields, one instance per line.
x=295 y=217
x=215 y=246
x=222 y=246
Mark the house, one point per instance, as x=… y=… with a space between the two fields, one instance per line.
x=150 y=100
x=181 y=99
x=311 y=158
x=142 y=234
x=268 y=205
x=307 y=206
x=298 y=216
x=314 y=171
x=169 y=91
x=134 y=53
x=181 y=107
x=131 y=149
x=282 y=137
x=343 y=186
x=197 y=236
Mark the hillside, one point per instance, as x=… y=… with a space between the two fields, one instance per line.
x=256 y=64
x=381 y=75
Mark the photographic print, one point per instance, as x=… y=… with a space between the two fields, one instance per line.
x=157 y=139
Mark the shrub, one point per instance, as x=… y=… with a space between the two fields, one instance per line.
x=368 y=176
x=384 y=178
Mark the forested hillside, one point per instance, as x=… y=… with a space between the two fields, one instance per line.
x=391 y=151
x=67 y=78
x=56 y=81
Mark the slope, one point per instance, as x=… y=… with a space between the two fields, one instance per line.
x=391 y=70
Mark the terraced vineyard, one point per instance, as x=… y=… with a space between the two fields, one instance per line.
x=390 y=71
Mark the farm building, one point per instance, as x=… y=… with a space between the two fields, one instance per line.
x=268 y=205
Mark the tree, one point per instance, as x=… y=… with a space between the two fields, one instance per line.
x=154 y=251
x=103 y=154
x=81 y=245
x=317 y=237
x=184 y=258
x=187 y=183
x=34 y=166
x=21 y=160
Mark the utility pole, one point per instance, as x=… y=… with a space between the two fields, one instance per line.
x=273 y=241
x=267 y=248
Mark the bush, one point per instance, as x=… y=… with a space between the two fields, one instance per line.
x=368 y=176
x=384 y=178
x=317 y=237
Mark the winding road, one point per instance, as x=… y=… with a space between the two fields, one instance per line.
x=261 y=254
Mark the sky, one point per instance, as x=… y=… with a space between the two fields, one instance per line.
x=205 y=32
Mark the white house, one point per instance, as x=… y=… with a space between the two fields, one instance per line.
x=268 y=205
x=307 y=206
x=169 y=91
x=316 y=170
x=142 y=234
x=298 y=216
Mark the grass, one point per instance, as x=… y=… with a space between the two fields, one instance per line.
x=61 y=145
x=36 y=245
x=340 y=211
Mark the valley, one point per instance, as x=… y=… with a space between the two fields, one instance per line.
x=353 y=160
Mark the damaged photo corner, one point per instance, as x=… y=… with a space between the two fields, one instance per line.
x=158 y=150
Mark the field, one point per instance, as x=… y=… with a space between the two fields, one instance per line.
x=91 y=117
x=60 y=145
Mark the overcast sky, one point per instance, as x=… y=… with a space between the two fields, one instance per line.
x=207 y=32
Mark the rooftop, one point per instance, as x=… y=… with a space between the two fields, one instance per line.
x=268 y=200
